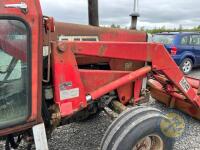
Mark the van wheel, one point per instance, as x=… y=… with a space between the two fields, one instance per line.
x=137 y=129
x=186 y=65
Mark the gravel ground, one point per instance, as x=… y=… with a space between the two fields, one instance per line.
x=87 y=135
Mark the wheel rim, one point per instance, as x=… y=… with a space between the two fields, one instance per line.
x=187 y=66
x=151 y=142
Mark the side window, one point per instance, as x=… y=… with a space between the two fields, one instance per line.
x=184 y=40
x=14 y=76
x=195 y=40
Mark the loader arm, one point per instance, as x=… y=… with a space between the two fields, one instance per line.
x=154 y=54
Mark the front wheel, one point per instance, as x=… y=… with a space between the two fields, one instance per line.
x=186 y=65
x=137 y=129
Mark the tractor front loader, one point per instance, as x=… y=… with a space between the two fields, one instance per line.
x=53 y=73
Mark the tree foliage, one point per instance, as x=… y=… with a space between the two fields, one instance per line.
x=115 y=26
x=164 y=29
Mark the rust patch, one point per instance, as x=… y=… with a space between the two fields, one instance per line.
x=149 y=57
x=74 y=48
x=128 y=66
x=33 y=20
x=102 y=50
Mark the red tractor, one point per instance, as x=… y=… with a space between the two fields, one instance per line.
x=52 y=74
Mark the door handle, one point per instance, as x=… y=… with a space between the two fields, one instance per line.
x=22 y=6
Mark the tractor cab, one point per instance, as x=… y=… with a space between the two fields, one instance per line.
x=20 y=25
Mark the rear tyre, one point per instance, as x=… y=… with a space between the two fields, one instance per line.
x=137 y=129
x=186 y=65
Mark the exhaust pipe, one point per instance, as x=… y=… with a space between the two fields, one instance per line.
x=93 y=12
x=135 y=15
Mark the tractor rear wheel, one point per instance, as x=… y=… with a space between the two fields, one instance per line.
x=137 y=129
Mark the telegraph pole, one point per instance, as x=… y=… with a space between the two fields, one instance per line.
x=135 y=15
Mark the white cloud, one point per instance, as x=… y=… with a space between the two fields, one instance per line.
x=170 y=13
x=66 y=10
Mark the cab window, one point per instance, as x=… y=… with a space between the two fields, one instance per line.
x=14 y=78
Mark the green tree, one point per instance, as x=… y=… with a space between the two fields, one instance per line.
x=115 y=26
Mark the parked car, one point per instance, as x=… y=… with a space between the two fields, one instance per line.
x=184 y=48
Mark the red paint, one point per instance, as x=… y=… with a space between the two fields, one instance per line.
x=34 y=19
x=151 y=52
x=120 y=82
x=195 y=83
x=66 y=77
x=95 y=79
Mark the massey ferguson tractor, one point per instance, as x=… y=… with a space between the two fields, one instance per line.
x=52 y=74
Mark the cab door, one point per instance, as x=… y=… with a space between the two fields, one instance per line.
x=20 y=65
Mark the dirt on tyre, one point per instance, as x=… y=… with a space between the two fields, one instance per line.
x=186 y=65
x=137 y=129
